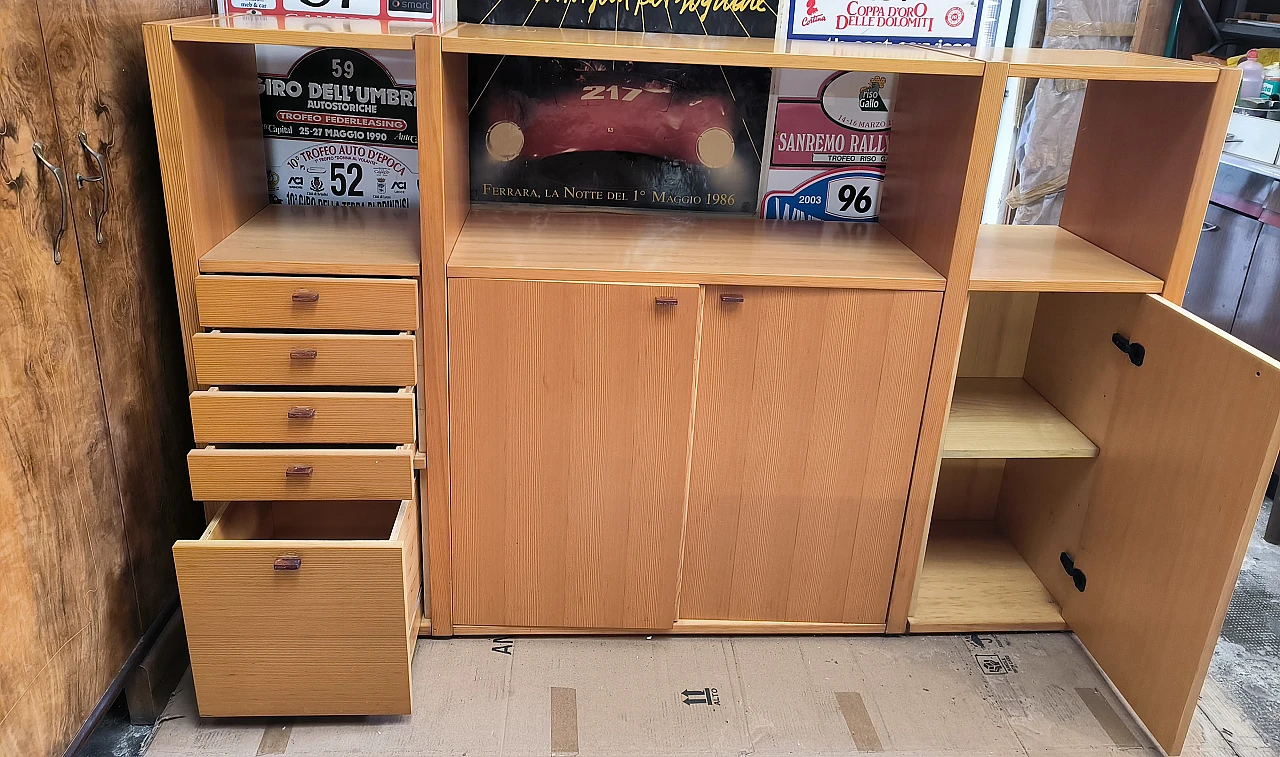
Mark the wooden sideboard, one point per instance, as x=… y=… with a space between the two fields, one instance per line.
x=698 y=424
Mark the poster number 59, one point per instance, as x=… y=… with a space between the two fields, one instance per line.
x=853 y=198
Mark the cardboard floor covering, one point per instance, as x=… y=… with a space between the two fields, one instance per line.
x=1004 y=694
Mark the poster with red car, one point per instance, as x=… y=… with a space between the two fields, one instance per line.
x=932 y=22
x=340 y=126
x=415 y=10
x=829 y=135
x=609 y=133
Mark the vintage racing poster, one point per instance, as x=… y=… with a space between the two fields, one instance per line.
x=415 y=10
x=828 y=138
x=340 y=126
x=933 y=22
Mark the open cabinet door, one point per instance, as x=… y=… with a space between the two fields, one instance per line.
x=1188 y=451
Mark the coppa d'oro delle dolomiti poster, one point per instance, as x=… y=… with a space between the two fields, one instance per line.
x=935 y=22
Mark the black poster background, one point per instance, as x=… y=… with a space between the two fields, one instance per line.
x=733 y=18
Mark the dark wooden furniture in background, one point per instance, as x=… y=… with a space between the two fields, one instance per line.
x=93 y=422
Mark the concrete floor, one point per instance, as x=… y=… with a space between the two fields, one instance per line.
x=774 y=696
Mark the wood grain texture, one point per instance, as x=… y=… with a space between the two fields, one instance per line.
x=503 y=241
x=271 y=302
x=307 y=31
x=260 y=474
x=340 y=359
x=238 y=417
x=68 y=613
x=968 y=489
x=1124 y=195
x=1003 y=418
x=808 y=406
x=997 y=333
x=1106 y=65
x=1050 y=259
x=569 y=416
x=268 y=642
x=974 y=581
x=1191 y=442
x=310 y=239
x=1071 y=361
x=955 y=305
x=443 y=170
x=209 y=136
x=493 y=39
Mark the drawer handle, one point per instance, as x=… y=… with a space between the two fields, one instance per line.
x=305 y=295
x=666 y=301
x=299 y=470
x=307 y=354
x=288 y=562
x=302 y=412
x=731 y=298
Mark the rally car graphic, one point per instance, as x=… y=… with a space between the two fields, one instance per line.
x=616 y=112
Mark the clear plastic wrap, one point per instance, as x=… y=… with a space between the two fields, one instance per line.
x=1046 y=138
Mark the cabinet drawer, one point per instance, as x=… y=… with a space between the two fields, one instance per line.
x=293 y=474
x=305 y=359
x=234 y=417
x=307 y=302
x=302 y=608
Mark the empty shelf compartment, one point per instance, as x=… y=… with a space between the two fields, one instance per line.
x=1005 y=418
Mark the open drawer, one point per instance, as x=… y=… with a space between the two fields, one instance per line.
x=219 y=474
x=302 y=608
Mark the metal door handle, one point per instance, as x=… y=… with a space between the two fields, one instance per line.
x=38 y=150
x=305 y=295
x=299 y=470
x=1206 y=226
x=666 y=301
x=302 y=412
x=302 y=354
x=100 y=158
x=288 y=562
x=731 y=298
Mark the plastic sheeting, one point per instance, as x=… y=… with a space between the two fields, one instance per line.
x=1046 y=139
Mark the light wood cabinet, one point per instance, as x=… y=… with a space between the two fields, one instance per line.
x=808 y=409
x=706 y=424
x=570 y=421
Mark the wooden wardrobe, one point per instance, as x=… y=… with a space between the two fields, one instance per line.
x=93 y=421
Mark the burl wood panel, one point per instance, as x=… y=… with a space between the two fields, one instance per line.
x=570 y=407
x=808 y=409
x=68 y=612
x=99 y=75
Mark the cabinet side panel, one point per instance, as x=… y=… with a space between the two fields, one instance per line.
x=808 y=406
x=446 y=190
x=1145 y=157
x=209 y=134
x=569 y=432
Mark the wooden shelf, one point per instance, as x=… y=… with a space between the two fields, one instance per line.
x=1038 y=63
x=1050 y=259
x=973 y=581
x=597 y=44
x=523 y=242
x=303 y=239
x=309 y=31
x=994 y=418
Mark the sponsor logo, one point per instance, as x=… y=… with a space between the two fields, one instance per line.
x=954 y=17
x=295 y=181
x=811 y=14
x=869 y=96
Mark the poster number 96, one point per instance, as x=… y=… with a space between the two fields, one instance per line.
x=853 y=198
